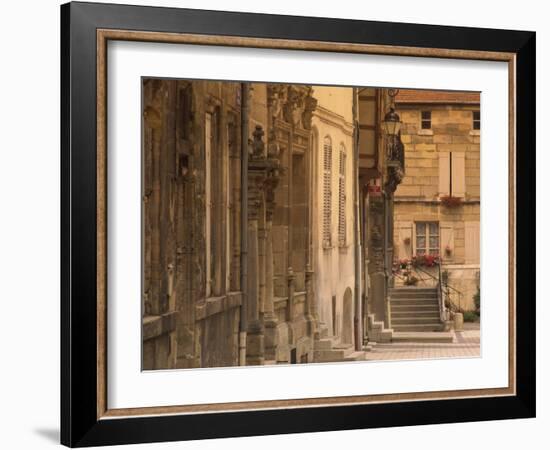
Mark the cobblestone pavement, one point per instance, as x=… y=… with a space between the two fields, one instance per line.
x=466 y=344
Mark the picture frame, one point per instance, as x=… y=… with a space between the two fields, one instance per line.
x=86 y=419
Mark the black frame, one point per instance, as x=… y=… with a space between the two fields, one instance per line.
x=79 y=423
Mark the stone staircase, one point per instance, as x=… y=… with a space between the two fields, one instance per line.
x=415 y=309
x=327 y=350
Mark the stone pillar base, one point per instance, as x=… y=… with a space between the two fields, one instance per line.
x=271 y=337
x=255 y=347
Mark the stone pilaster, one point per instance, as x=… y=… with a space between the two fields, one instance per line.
x=255 y=336
x=270 y=319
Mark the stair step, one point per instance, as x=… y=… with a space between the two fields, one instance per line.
x=414 y=307
x=423 y=304
x=414 y=312
x=348 y=348
x=417 y=327
x=415 y=319
x=328 y=355
x=323 y=344
x=413 y=288
x=413 y=300
x=337 y=353
x=356 y=356
x=423 y=337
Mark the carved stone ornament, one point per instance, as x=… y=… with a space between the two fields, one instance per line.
x=273 y=149
x=395 y=176
x=294 y=106
x=256 y=145
x=310 y=103
x=376 y=236
x=276 y=98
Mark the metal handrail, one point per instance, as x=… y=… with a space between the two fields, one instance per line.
x=443 y=312
x=441 y=286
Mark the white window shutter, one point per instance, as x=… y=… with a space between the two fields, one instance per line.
x=342 y=199
x=327 y=192
x=444 y=175
x=459 y=181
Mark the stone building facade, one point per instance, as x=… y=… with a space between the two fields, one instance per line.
x=333 y=227
x=437 y=205
x=262 y=241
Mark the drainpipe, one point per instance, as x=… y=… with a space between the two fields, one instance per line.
x=245 y=109
x=357 y=320
x=387 y=321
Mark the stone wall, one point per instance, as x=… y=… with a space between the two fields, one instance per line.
x=441 y=161
x=191 y=213
x=333 y=121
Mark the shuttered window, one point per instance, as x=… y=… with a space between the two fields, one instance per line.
x=452 y=174
x=342 y=198
x=327 y=191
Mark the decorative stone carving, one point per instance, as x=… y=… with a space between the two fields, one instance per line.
x=294 y=107
x=256 y=146
x=395 y=176
x=276 y=98
x=273 y=149
x=395 y=153
x=310 y=103
x=376 y=237
x=293 y=103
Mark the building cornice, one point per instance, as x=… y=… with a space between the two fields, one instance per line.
x=334 y=119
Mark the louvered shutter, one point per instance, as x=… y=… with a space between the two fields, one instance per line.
x=342 y=198
x=458 y=176
x=327 y=191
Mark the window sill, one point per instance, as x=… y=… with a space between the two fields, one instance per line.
x=425 y=132
x=475 y=132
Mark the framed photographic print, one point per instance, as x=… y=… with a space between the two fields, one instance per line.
x=276 y=224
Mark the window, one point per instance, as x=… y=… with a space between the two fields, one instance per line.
x=427 y=238
x=426 y=120
x=342 y=198
x=327 y=191
x=476 y=120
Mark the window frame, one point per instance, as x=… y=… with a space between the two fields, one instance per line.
x=427 y=235
x=476 y=121
x=424 y=120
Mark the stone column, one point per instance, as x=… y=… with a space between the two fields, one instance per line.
x=311 y=306
x=270 y=319
x=256 y=201
x=291 y=287
x=262 y=237
x=254 y=336
x=272 y=181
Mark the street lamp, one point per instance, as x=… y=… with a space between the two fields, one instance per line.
x=391 y=123
x=391 y=126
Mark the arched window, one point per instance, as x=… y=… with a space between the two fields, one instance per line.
x=342 y=197
x=327 y=191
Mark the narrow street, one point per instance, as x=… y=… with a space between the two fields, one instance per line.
x=466 y=344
